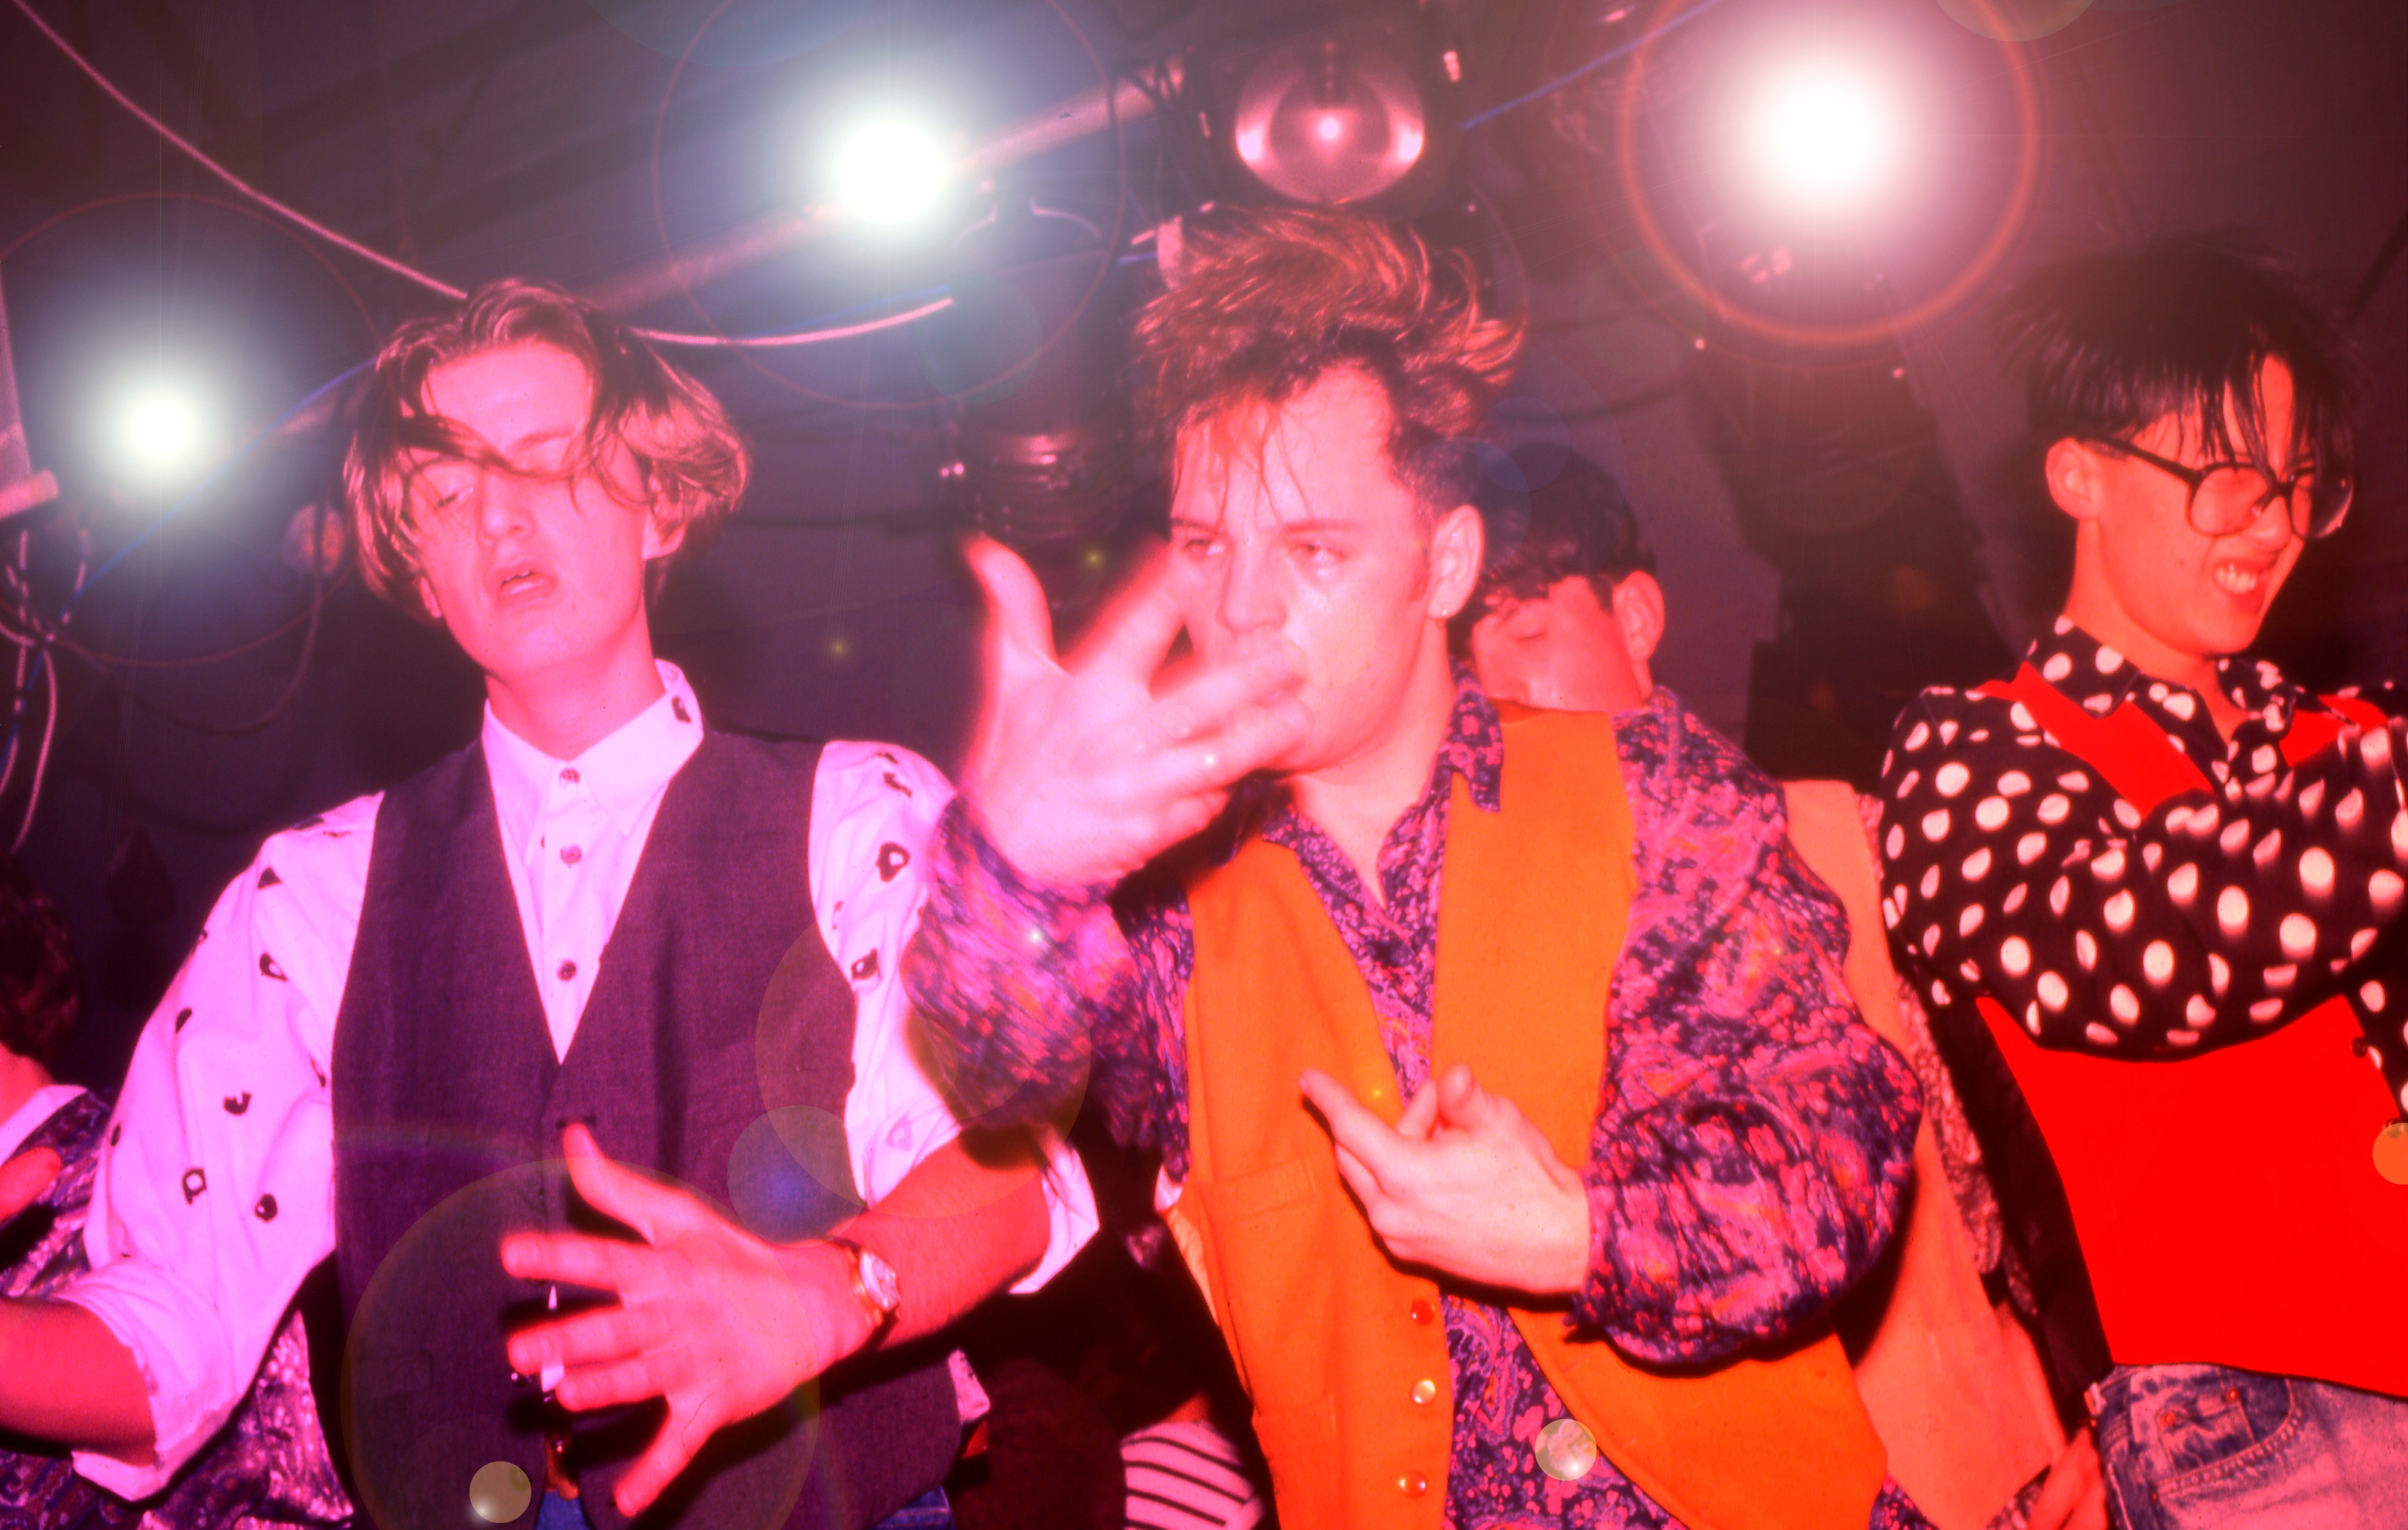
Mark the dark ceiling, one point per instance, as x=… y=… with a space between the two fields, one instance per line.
x=579 y=140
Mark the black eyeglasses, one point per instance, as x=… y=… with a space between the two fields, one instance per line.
x=2228 y=496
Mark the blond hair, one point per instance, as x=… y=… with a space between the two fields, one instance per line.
x=685 y=454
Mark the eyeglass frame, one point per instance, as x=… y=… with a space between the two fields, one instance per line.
x=2195 y=479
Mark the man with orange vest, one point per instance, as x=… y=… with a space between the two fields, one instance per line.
x=2154 y=886
x=1523 y=1206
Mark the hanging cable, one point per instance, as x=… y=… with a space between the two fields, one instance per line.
x=374 y=257
x=402 y=268
x=1583 y=72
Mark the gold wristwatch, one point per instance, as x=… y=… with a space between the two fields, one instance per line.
x=875 y=1284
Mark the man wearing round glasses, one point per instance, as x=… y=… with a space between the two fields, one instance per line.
x=2153 y=889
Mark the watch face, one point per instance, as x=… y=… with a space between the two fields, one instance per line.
x=878 y=1278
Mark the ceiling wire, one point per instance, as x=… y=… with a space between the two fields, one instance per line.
x=401 y=268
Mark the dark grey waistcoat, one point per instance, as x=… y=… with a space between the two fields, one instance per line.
x=716 y=1008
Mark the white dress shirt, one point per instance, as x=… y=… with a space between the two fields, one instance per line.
x=226 y=1103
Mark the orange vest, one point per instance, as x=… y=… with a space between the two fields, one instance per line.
x=1343 y=1353
x=2227 y=1203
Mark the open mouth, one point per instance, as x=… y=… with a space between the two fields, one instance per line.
x=2235 y=579
x=520 y=581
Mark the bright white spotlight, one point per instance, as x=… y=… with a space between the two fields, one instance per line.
x=161 y=434
x=1823 y=137
x=891 y=170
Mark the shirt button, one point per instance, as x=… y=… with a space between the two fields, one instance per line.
x=569 y=773
x=571 y=855
x=567 y=971
x=1422 y=1312
x=1424 y=1391
x=1413 y=1484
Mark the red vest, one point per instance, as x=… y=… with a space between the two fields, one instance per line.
x=2227 y=1202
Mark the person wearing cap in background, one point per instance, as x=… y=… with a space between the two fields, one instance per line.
x=1567 y=614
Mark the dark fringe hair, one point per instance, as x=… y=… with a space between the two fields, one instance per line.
x=2111 y=342
x=38 y=987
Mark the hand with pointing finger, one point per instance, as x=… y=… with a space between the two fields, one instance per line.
x=1082 y=772
x=1462 y=1183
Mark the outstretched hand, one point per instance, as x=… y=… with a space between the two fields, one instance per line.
x=1462 y=1183
x=1081 y=772
x=715 y=1320
x=25 y=1179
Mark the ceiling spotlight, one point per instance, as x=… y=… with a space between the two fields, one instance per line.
x=891 y=170
x=1322 y=123
x=160 y=432
x=1351 y=113
x=1823 y=137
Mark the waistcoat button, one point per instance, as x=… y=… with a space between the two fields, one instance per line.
x=1422 y=1312
x=1425 y=1389
x=1413 y=1484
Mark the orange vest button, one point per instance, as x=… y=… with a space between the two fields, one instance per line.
x=1425 y=1389
x=1422 y=1312
x=2391 y=1153
x=1413 y=1484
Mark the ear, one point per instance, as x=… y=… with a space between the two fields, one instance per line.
x=1457 y=543
x=2076 y=478
x=660 y=543
x=426 y=598
x=1639 y=612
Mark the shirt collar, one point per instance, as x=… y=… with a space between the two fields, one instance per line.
x=1473 y=747
x=621 y=775
x=2098 y=678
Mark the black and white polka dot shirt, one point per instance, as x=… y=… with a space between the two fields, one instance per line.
x=2010 y=868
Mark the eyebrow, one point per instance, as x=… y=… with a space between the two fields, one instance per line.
x=1302 y=526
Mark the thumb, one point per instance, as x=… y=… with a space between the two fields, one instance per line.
x=1462 y=1104
x=1018 y=617
x=616 y=1191
x=24 y=1178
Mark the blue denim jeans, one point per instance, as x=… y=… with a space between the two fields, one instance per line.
x=2188 y=1447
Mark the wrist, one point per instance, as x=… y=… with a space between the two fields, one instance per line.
x=821 y=1275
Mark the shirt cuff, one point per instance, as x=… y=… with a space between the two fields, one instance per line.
x=182 y=1370
x=1071 y=1217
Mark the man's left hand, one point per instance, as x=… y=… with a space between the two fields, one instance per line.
x=1462 y=1183
x=717 y=1322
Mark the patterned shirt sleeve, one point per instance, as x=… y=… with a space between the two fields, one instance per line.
x=872 y=807
x=214 y=1195
x=1028 y=993
x=1752 y=1152
x=2012 y=869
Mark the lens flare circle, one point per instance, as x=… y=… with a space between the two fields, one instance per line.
x=1688 y=284
x=160 y=431
x=1822 y=136
x=891 y=170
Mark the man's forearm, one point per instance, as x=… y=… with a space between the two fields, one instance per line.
x=1010 y=979
x=965 y=1222
x=65 y=1377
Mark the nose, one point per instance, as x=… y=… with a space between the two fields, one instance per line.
x=2274 y=524
x=502 y=501
x=1252 y=599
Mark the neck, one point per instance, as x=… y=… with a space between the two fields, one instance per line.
x=2096 y=612
x=19 y=1078
x=566 y=710
x=1356 y=800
